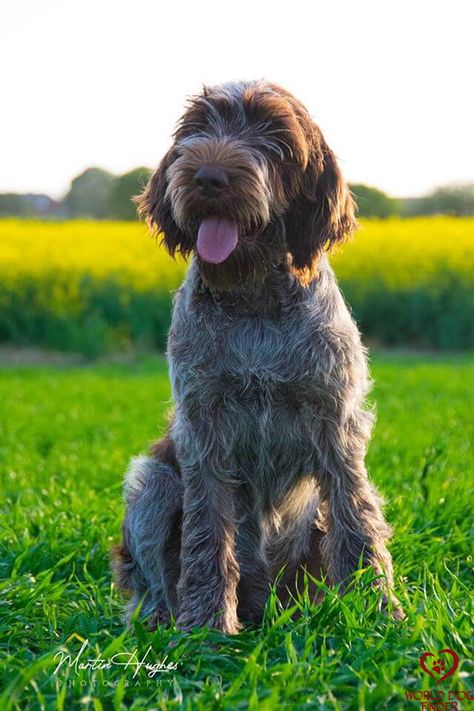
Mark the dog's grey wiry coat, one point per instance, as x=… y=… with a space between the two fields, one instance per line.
x=262 y=469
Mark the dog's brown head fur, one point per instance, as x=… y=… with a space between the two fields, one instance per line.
x=249 y=179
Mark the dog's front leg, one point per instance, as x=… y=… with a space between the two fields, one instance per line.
x=207 y=590
x=355 y=525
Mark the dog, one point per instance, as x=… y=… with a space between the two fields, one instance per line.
x=261 y=474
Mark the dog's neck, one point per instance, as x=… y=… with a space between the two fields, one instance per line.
x=267 y=297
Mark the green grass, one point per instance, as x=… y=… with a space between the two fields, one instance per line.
x=65 y=437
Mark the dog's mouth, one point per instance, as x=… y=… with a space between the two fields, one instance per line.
x=217 y=239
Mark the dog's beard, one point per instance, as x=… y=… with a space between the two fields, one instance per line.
x=252 y=239
x=251 y=261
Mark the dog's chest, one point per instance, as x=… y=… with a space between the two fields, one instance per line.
x=250 y=383
x=261 y=356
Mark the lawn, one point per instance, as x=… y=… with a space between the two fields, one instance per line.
x=66 y=434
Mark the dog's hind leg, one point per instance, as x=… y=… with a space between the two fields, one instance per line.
x=147 y=562
x=254 y=584
x=296 y=548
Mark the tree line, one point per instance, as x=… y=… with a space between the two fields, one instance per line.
x=98 y=194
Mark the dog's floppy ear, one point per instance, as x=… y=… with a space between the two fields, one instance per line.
x=154 y=205
x=323 y=212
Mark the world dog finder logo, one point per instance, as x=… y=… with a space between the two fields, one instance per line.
x=440 y=666
x=437 y=665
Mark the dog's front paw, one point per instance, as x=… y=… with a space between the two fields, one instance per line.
x=160 y=616
x=392 y=608
x=226 y=623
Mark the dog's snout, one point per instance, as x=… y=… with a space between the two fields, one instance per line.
x=210 y=179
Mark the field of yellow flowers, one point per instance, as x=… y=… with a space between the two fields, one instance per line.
x=92 y=286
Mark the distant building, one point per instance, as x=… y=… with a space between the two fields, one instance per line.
x=30 y=205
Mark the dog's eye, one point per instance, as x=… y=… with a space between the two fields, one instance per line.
x=275 y=148
x=274 y=140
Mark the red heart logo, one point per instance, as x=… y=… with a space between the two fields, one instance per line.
x=439 y=665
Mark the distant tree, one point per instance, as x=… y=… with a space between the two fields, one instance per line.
x=13 y=204
x=372 y=202
x=412 y=206
x=124 y=188
x=449 y=200
x=89 y=194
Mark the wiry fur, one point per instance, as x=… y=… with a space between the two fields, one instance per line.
x=263 y=465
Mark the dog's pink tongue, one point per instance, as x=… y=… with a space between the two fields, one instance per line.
x=217 y=239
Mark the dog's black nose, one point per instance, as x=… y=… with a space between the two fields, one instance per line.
x=210 y=180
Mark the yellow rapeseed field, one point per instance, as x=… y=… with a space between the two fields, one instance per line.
x=406 y=279
x=124 y=250
x=401 y=252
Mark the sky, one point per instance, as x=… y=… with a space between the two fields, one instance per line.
x=102 y=82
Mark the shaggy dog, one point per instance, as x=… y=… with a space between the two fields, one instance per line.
x=262 y=468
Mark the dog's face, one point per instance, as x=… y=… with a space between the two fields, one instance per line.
x=248 y=180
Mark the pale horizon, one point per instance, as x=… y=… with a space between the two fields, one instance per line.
x=103 y=83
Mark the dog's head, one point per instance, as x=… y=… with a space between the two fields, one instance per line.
x=248 y=179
